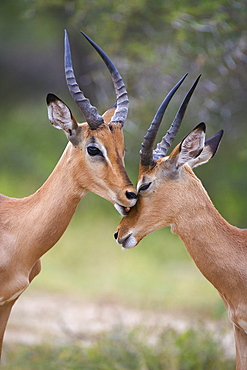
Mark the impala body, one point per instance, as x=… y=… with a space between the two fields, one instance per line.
x=170 y=194
x=92 y=161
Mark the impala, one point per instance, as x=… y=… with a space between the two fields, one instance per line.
x=92 y=161
x=169 y=194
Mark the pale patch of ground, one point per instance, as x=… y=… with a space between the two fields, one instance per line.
x=54 y=318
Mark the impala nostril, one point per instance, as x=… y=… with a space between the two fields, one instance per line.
x=131 y=194
x=116 y=235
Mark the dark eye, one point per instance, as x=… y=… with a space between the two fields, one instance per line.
x=93 y=150
x=145 y=186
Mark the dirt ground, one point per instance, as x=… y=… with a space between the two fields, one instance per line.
x=53 y=318
x=40 y=317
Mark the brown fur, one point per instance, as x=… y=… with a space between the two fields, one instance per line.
x=177 y=199
x=30 y=226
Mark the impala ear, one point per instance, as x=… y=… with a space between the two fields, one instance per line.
x=209 y=150
x=109 y=113
x=190 y=147
x=61 y=117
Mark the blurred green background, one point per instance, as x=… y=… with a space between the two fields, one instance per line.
x=153 y=44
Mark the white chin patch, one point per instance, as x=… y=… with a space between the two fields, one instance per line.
x=129 y=242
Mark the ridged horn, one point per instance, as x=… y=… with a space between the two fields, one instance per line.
x=122 y=100
x=146 y=152
x=167 y=140
x=90 y=113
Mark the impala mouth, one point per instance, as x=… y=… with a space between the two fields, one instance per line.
x=121 y=209
x=128 y=241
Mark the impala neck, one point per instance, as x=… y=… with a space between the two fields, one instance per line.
x=210 y=240
x=51 y=206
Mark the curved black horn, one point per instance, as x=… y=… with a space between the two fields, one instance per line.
x=121 y=93
x=93 y=119
x=167 y=140
x=146 y=152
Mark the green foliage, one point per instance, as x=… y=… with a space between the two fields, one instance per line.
x=153 y=44
x=119 y=349
x=156 y=275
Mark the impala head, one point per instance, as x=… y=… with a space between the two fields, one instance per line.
x=165 y=181
x=96 y=146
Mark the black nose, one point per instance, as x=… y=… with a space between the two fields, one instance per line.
x=116 y=235
x=130 y=194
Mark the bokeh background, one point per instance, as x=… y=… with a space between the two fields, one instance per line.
x=153 y=44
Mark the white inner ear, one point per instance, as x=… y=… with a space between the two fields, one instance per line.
x=204 y=157
x=51 y=114
x=60 y=116
x=191 y=147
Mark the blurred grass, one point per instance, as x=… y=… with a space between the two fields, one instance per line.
x=194 y=349
x=157 y=274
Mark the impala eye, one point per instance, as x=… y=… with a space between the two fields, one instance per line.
x=93 y=150
x=145 y=186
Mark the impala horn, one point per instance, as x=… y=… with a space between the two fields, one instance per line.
x=122 y=100
x=146 y=152
x=93 y=119
x=170 y=135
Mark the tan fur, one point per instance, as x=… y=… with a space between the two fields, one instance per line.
x=30 y=226
x=177 y=199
